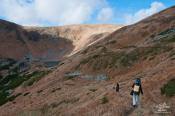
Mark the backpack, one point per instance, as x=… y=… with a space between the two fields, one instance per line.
x=136 y=88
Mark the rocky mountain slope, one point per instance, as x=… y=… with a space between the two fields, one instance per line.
x=47 y=43
x=82 y=84
x=80 y=35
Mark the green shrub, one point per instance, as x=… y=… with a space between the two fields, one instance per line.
x=84 y=51
x=34 y=77
x=155 y=50
x=169 y=88
x=69 y=77
x=167 y=36
x=93 y=90
x=168 y=31
x=98 y=46
x=13 y=97
x=71 y=101
x=15 y=69
x=7 y=66
x=3 y=97
x=11 y=81
x=7 y=83
x=25 y=94
x=127 y=59
x=84 y=61
x=172 y=53
x=167 y=39
x=44 y=110
x=6 y=79
x=65 y=101
x=96 y=56
x=104 y=100
x=4 y=67
x=54 y=90
x=40 y=91
x=16 y=82
x=112 y=42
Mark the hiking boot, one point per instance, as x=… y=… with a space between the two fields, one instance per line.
x=135 y=106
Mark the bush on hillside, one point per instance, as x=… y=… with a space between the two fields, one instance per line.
x=10 y=82
x=169 y=88
x=34 y=77
x=104 y=100
x=111 y=59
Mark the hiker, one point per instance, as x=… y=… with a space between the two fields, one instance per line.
x=117 y=87
x=136 y=90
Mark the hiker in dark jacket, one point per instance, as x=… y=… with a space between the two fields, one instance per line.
x=136 y=90
x=117 y=87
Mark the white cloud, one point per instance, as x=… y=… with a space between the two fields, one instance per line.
x=105 y=14
x=59 y=12
x=19 y=11
x=143 y=13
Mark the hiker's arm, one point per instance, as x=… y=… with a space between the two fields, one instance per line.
x=133 y=86
x=141 y=89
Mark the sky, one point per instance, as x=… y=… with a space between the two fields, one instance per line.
x=66 y=12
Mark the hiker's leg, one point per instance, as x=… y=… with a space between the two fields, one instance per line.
x=137 y=100
x=133 y=99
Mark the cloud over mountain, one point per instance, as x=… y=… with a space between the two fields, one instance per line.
x=105 y=15
x=64 y=12
x=60 y=12
x=143 y=13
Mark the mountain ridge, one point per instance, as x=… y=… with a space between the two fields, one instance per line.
x=29 y=36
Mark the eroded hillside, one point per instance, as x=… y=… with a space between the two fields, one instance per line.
x=81 y=36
